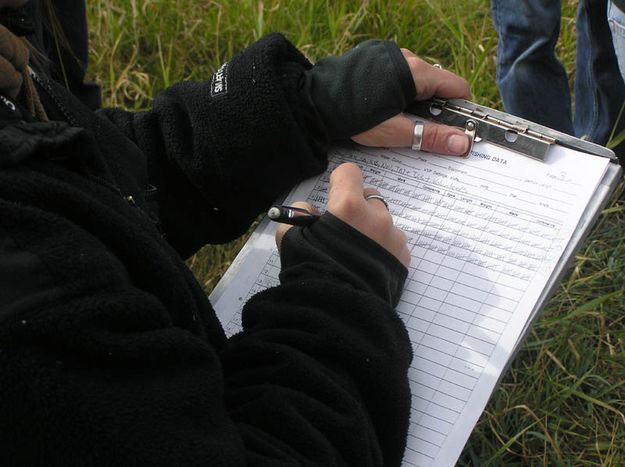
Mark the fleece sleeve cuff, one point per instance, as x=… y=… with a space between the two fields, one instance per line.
x=333 y=249
x=360 y=89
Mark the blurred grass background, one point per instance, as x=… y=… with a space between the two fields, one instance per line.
x=563 y=400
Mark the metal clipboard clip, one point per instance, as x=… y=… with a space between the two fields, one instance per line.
x=479 y=124
x=511 y=132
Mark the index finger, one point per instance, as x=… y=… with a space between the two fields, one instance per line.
x=449 y=85
x=345 y=180
x=433 y=81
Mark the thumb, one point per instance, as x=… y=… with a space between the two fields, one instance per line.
x=397 y=131
x=437 y=138
x=444 y=139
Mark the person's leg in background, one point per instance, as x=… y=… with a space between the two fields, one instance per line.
x=599 y=86
x=616 y=20
x=532 y=82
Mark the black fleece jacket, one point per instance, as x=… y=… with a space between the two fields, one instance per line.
x=110 y=353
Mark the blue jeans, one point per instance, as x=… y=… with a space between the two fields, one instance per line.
x=616 y=19
x=533 y=83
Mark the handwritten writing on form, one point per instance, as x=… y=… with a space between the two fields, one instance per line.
x=485 y=234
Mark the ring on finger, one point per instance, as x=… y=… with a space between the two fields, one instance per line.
x=437 y=65
x=378 y=197
x=417 y=136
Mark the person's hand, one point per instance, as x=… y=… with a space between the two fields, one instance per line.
x=346 y=200
x=397 y=131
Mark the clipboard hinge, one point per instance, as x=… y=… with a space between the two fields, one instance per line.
x=480 y=125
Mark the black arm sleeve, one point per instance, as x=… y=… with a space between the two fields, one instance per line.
x=360 y=89
x=221 y=151
x=101 y=364
x=322 y=362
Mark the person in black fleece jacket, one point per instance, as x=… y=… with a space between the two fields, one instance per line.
x=110 y=353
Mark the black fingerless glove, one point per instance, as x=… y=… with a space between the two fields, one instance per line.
x=360 y=89
x=332 y=248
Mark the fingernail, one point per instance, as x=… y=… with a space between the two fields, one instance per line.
x=458 y=144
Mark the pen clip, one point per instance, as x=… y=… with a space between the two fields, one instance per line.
x=295 y=208
x=500 y=129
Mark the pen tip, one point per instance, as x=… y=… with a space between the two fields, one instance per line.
x=273 y=213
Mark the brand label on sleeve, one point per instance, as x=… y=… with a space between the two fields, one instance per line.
x=219 y=83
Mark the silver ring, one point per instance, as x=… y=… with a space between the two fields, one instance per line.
x=437 y=65
x=417 y=136
x=378 y=197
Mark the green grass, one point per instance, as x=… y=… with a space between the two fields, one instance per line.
x=563 y=400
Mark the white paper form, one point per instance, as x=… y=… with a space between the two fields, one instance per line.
x=485 y=233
